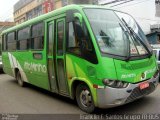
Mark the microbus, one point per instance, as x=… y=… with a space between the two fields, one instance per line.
x=96 y=55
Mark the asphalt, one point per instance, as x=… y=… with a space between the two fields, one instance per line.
x=32 y=100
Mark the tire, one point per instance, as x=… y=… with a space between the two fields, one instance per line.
x=84 y=98
x=20 y=80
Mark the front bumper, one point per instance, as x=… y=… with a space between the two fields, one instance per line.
x=112 y=97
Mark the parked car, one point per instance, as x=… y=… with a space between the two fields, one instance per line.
x=156 y=50
x=157 y=53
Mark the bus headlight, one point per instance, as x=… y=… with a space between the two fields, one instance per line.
x=115 y=83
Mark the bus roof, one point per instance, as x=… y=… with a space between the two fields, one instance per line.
x=45 y=16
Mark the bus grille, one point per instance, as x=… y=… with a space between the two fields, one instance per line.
x=137 y=93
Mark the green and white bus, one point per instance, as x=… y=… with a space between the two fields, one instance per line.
x=98 y=56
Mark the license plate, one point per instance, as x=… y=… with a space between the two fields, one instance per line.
x=144 y=85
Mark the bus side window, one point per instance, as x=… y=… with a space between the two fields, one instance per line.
x=85 y=42
x=73 y=42
x=23 y=39
x=11 y=41
x=37 y=41
x=50 y=39
x=60 y=38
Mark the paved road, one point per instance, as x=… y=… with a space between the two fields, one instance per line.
x=32 y=100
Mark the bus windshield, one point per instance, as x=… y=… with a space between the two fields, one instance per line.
x=112 y=31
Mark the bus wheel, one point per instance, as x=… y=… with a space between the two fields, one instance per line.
x=84 y=98
x=20 y=80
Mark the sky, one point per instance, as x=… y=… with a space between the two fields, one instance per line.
x=6 y=9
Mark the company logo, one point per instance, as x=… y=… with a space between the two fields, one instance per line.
x=35 y=67
x=132 y=75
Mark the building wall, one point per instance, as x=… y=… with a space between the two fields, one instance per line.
x=143 y=12
x=20 y=14
x=34 y=12
x=21 y=4
x=146 y=13
x=48 y=5
x=58 y=4
x=4 y=26
x=83 y=1
x=28 y=9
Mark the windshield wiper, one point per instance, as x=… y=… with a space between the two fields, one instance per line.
x=128 y=44
x=136 y=37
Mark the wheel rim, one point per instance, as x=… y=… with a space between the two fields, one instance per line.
x=85 y=98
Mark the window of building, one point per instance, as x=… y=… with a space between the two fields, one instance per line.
x=38 y=11
x=11 y=41
x=23 y=39
x=29 y=15
x=37 y=42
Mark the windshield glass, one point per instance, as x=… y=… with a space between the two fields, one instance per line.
x=112 y=35
x=135 y=27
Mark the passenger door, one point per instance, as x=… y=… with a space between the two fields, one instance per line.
x=56 y=56
x=51 y=56
x=60 y=56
